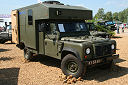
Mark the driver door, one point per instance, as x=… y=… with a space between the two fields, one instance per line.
x=51 y=41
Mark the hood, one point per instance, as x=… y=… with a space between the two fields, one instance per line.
x=97 y=33
x=83 y=39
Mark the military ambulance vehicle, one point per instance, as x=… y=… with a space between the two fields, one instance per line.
x=59 y=31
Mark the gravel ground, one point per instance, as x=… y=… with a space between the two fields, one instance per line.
x=14 y=70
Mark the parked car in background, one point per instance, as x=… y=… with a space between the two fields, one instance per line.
x=6 y=35
x=109 y=24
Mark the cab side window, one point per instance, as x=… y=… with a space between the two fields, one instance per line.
x=30 y=17
x=49 y=27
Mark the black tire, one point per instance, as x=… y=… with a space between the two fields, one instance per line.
x=107 y=65
x=2 y=41
x=71 y=65
x=28 y=55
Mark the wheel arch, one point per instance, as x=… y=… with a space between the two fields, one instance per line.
x=21 y=45
x=68 y=50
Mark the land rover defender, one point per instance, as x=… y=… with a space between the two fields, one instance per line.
x=59 y=31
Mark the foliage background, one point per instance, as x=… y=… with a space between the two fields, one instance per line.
x=117 y=16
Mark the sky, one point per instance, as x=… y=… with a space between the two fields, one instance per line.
x=108 y=5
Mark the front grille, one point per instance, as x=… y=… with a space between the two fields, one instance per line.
x=99 y=51
x=107 y=49
x=103 y=50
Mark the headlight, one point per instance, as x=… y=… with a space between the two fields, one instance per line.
x=113 y=46
x=88 y=51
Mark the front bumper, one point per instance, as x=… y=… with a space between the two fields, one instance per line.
x=101 y=60
x=115 y=56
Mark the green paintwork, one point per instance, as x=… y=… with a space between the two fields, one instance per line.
x=47 y=11
x=55 y=45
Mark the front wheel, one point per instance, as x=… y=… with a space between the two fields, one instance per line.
x=71 y=65
x=28 y=55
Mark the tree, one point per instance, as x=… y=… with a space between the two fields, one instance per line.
x=108 y=16
x=125 y=13
x=100 y=14
x=121 y=16
x=115 y=16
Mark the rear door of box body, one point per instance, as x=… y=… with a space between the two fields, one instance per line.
x=15 y=30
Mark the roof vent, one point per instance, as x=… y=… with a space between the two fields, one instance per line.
x=53 y=2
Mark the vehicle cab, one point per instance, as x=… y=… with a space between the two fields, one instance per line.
x=72 y=42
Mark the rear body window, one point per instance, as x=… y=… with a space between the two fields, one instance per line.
x=30 y=17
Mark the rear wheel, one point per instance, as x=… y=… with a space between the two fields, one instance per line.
x=2 y=41
x=71 y=65
x=28 y=55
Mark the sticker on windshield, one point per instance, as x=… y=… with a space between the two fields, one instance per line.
x=61 y=27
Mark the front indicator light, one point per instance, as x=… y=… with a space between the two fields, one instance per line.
x=114 y=51
x=85 y=57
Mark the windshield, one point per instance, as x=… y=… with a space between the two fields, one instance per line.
x=72 y=27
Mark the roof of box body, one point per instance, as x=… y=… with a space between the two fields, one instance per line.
x=65 y=7
x=56 y=6
x=58 y=11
